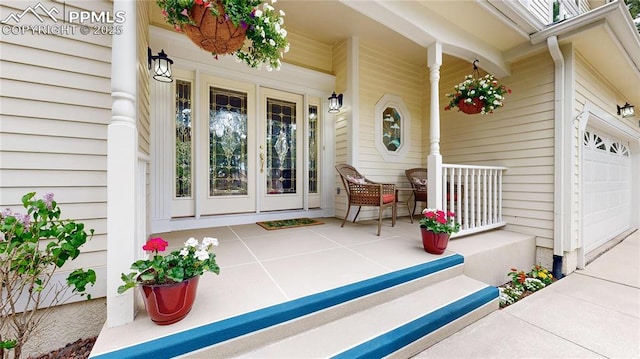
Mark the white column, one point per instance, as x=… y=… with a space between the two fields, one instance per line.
x=122 y=162
x=434 y=161
x=352 y=96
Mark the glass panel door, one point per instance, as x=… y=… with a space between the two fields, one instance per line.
x=313 y=150
x=229 y=142
x=281 y=151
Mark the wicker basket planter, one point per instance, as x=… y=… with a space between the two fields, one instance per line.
x=472 y=108
x=216 y=34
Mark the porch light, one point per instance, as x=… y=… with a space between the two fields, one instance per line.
x=161 y=66
x=626 y=110
x=335 y=103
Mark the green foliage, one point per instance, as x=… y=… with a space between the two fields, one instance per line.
x=264 y=26
x=521 y=283
x=33 y=246
x=634 y=10
x=439 y=221
x=192 y=260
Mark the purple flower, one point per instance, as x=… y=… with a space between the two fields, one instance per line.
x=48 y=199
x=7 y=212
x=25 y=219
x=185 y=12
x=244 y=24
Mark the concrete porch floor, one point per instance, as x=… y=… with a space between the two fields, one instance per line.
x=260 y=268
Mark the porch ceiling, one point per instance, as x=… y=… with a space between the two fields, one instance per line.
x=409 y=27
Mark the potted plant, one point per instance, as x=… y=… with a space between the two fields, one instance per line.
x=477 y=94
x=221 y=26
x=169 y=283
x=436 y=227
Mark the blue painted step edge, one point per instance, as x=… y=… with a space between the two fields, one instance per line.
x=402 y=336
x=217 y=332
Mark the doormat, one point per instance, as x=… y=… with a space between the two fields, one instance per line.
x=288 y=223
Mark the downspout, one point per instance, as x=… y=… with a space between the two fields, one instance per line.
x=560 y=157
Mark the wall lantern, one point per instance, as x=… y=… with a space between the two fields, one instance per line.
x=161 y=66
x=335 y=103
x=626 y=110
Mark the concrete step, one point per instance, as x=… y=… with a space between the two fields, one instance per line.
x=393 y=327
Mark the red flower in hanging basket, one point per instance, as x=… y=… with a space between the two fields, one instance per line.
x=222 y=26
x=477 y=95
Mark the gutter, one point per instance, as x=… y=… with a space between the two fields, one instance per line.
x=559 y=205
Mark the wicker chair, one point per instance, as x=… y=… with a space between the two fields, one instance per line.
x=418 y=179
x=363 y=192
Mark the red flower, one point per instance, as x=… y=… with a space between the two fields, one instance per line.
x=430 y=215
x=451 y=214
x=521 y=277
x=155 y=245
x=199 y=2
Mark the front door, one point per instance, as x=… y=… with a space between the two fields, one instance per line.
x=245 y=149
x=281 y=151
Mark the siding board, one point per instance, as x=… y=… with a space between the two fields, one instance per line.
x=55 y=105
x=519 y=136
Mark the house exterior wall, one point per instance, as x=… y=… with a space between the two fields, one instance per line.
x=592 y=87
x=341 y=123
x=309 y=53
x=519 y=136
x=55 y=105
x=540 y=8
x=381 y=73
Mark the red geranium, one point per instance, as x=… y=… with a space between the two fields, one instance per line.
x=155 y=245
x=439 y=221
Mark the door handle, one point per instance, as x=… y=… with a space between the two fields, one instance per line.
x=261 y=162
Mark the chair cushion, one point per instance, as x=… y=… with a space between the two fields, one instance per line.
x=419 y=181
x=388 y=198
x=355 y=179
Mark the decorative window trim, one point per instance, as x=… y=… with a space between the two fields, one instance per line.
x=395 y=102
x=598 y=142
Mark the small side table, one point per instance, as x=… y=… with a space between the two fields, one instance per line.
x=411 y=191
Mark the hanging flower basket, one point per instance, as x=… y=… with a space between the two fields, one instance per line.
x=477 y=94
x=471 y=106
x=252 y=30
x=216 y=34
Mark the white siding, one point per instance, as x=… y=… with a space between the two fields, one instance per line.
x=541 y=9
x=518 y=136
x=55 y=104
x=308 y=53
x=380 y=73
x=341 y=129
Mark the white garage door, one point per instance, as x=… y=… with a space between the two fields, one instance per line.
x=606 y=193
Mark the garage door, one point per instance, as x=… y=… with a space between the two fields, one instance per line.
x=606 y=191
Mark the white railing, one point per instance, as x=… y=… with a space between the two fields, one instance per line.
x=474 y=194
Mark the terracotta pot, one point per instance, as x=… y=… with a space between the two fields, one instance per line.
x=216 y=34
x=169 y=303
x=433 y=242
x=471 y=108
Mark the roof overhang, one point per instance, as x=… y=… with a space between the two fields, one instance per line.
x=426 y=22
x=609 y=40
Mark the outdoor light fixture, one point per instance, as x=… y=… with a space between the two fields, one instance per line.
x=626 y=110
x=161 y=66
x=335 y=102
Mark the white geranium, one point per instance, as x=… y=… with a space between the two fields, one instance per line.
x=191 y=242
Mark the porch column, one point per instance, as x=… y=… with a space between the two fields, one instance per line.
x=122 y=161
x=434 y=161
